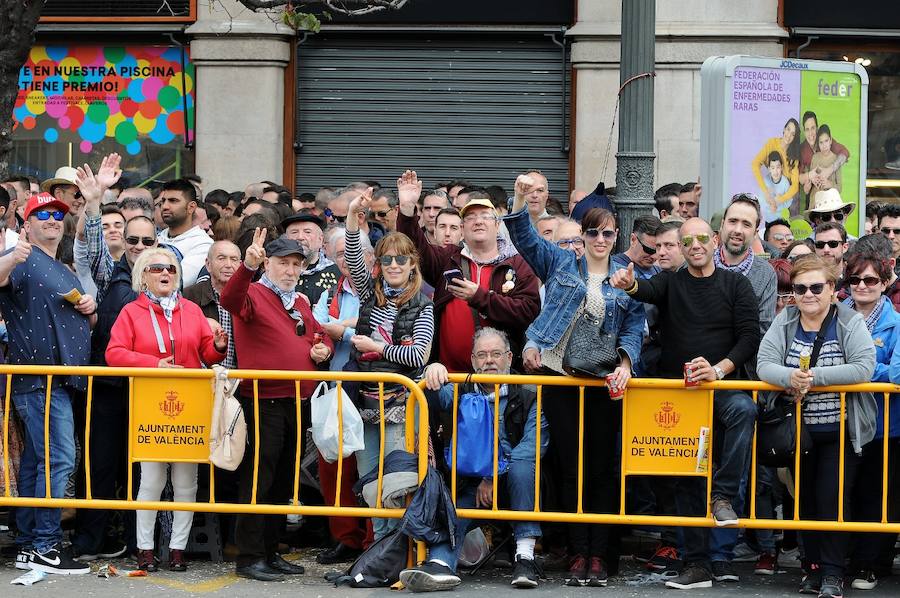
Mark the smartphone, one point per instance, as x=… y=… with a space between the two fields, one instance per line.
x=451 y=275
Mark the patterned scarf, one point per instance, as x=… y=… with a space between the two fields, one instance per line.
x=225 y=321
x=166 y=303
x=287 y=297
x=389 y=292
x=873 y=317
x=742 y=268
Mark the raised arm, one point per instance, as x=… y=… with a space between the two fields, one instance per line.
x=431 y=257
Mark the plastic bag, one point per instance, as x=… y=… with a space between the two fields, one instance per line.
x=324 y=420
x=474 y=438
x=474 y=549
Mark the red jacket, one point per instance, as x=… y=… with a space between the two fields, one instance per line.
x=511 y=311
x=133 y=343
x=265 y=335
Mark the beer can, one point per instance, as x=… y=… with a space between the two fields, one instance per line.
x=615 y=392
x=688 y=370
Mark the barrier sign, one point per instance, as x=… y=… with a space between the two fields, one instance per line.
x=665 y=431
x=171 y=420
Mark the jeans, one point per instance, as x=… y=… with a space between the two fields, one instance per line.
x=518 y=482
x=40 y=527
x=734 y=415
x=367 y=460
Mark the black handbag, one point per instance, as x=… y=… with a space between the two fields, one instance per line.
x=776 y=427
x=591 y=351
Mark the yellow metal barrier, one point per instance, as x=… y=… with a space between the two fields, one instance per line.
x=416 y=411
x=665 y=388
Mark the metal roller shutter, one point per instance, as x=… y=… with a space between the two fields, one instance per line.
x=479 y=108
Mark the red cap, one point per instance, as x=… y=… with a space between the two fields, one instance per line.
x=44 y=201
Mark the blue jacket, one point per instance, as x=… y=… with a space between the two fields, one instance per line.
x=565 y=290
x=887 y=367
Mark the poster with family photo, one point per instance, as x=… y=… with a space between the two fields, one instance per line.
x=794 y=133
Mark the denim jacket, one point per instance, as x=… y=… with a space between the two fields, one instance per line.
x=565 y=290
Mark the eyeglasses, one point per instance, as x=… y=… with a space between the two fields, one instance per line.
x=785 y=297
x=688 y=240
x=160 y=268
x=783 y=238
x=385 y=260
x=482 y=355
x=480 y=218
x=831 y=244
x=827 y=216
x=379 y=214
x=58 y=215
x=647 y=250
x=329 y=214
x=145 y=241
x=869 y=281
x=574 y=242
x=887 y=231
x=816 y=288
x=592 y=233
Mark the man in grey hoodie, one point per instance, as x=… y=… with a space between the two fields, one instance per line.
x=178 y=201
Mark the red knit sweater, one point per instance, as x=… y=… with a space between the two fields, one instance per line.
x=133 y=343
x=265 y=336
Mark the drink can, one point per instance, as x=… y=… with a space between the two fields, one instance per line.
x=317 y=337
x=804 y=360
x=406 y=341
x=688 y=370
x=615 y=392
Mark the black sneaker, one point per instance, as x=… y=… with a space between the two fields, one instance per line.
x=724 y=571
x=665 y=559
x=578 y=571
x=526 y=573
x=23 y=557
x=832 y=587
x=597 y=575
x=57 y=561
x=811 y=581
x=693 y=577
x=864 y=580
x=429 y=577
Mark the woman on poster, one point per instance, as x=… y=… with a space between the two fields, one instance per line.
x=808 y=149
x=788 y=147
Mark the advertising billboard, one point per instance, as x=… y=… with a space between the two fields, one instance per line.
x=784 y=130
x=85 y=95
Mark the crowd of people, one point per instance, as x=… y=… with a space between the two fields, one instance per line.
x=457 y=278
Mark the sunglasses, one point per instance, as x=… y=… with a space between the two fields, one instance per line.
x=379 y=214
x=592 y=233
x=869 y=281
x=145 y=241
x=780 y=237
x=745 y=197
x=827 y=216
x=300 y=326
x=329 y=214
x=160 y=268
x=888 y=231
x=648 y=250
x=831 y=244
x=800 y=289
x=78 y=194
x=386 y=260
x=701 y=238
x=58 y=215
x=785 y=297
x=574 y=242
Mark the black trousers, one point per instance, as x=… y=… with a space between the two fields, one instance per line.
x=109 y=455
x=602 y=425
x=819 y=499
x=870 y=549
x=256 y=535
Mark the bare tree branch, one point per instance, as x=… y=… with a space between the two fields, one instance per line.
x=347 y=7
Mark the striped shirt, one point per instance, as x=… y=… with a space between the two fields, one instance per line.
x=414 y=355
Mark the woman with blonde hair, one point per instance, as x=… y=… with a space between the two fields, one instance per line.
x=394 y=332
x=835 y=343
x=162 y=329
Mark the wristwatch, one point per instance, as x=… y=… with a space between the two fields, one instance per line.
x=720 y=373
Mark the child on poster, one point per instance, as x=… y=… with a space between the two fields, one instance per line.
x=824 y=169
x=777 y=186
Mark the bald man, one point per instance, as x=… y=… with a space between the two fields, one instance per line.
x=709 y=326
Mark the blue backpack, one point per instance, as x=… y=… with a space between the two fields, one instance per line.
x=474 y=438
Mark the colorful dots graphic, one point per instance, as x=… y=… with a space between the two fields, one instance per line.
x=51 y=135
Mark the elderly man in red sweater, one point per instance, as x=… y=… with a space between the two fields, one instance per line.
x=484 y=282
x=273 y=329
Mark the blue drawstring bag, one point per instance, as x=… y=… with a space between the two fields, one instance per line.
x=474 y=438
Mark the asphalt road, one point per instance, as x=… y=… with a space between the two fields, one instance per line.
x=209 y=579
